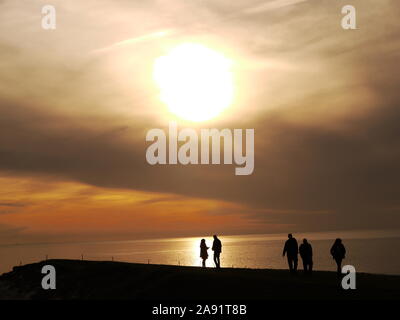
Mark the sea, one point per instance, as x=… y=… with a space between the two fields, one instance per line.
x=368 y=251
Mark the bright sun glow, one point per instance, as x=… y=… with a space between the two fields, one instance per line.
x=195 y=82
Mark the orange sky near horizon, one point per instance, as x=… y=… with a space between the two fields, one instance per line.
x=44 y=210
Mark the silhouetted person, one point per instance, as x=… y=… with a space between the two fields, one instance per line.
x=217 y=248
x=305 y=251
x=291 y=250
x=203 y=251
x=338 y=252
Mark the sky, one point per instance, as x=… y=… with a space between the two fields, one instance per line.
x=76 y=103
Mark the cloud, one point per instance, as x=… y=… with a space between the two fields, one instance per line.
x=272 y=5
x=8 y=232
x=135 y=40
x=327 y=150
x=13 y=204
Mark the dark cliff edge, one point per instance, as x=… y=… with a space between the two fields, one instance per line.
x=118 y=280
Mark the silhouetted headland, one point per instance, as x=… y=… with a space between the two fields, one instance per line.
x=77 y=279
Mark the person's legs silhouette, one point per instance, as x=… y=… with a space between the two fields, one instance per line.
x=339 y=265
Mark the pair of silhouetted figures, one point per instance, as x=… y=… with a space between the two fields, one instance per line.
x=216 y=247
x=291 y=249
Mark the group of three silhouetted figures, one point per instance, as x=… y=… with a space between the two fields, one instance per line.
x=291 y=250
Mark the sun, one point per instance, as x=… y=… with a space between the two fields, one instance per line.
x=195 y=82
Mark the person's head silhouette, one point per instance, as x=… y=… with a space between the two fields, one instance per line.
x=305 y=241
x=290 y=236
x=215 y=236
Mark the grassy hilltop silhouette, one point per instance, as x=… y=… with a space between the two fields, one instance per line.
x=77 y=279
